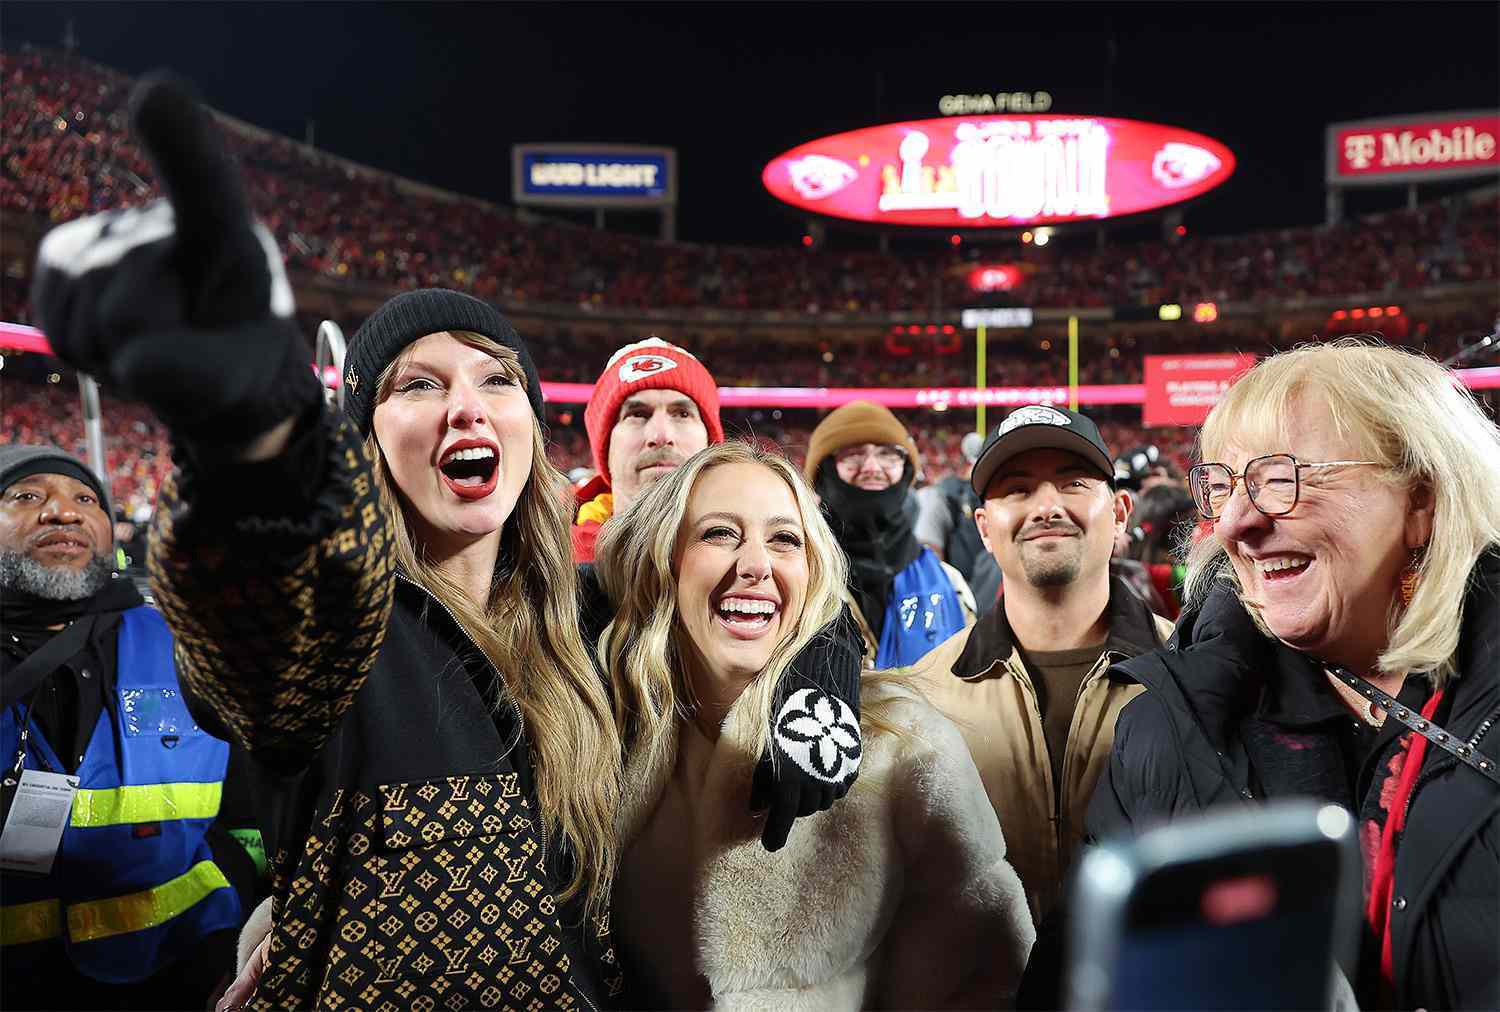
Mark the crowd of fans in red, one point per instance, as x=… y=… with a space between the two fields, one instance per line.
x=138 y=452
x=136 y=449
x=66 y=152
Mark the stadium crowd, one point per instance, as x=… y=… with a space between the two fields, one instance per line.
x=66 y=152
x=720 y=721
x=138 y=456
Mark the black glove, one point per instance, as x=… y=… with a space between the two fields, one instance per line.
x=814 y=732
x=184 y=303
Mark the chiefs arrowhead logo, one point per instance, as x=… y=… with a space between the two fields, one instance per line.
x=639 y=367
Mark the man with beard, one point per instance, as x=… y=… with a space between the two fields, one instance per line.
x=1029 y=686
x=114 y=895
x=652 y=408
x=862 y=463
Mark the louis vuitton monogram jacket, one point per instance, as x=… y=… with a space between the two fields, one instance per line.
x=409 y=867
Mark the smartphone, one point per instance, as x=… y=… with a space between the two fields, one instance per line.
x=1245 y=909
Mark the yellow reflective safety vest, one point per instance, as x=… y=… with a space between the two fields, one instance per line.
x=134 y=886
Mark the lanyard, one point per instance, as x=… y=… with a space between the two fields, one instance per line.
x=28 y=677
x=1467 y=752
x=13 y=776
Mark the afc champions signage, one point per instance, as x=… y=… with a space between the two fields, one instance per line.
x=1410 y=149
x=998 y=171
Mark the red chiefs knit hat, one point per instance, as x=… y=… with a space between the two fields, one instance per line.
x=652 y=364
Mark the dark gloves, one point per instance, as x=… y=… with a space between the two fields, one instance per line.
x=814 y=732
x=184 y=303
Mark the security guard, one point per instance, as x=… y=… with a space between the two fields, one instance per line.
x=115 y=894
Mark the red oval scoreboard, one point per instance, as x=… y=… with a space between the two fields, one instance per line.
x=998 y=171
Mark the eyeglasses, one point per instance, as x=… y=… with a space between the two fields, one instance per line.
x=888 y=457
x=1273 y=483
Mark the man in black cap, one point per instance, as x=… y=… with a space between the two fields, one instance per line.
x=117 y=882
x=1028 y=685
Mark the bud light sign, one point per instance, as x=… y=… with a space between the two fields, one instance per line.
x=999 y=171
x=594 y=176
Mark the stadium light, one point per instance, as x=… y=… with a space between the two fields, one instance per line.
x=1043 y=236
x=1026 y=238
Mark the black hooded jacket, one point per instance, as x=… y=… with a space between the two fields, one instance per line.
x=1181 y=747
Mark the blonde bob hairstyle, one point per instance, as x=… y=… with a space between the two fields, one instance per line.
x=643 y=648
x=1404 y=411
x=529 y=630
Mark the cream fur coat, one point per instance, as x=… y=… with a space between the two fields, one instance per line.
x=899 y=896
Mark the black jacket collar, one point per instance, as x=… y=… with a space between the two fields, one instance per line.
x=1475 y=694
x=1132 y=631
x=1218 y=665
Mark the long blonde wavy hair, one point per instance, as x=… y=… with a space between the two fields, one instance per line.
x=642 y=650
x=1405 y=412
x=529 y=629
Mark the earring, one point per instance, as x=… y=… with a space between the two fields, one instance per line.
x=1409 y=577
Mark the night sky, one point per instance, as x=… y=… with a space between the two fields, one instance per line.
x=439 y=92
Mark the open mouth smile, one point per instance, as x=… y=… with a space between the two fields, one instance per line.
x=1282 y=568
x=746 y=617
x=470 y=468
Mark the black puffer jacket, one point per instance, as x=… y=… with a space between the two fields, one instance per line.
x=1178 y=749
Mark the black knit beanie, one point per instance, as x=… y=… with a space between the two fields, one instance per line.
x=18 y=461
x=409 y=317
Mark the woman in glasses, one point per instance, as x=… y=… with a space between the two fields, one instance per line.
x=1345 y=647
x=862 y=463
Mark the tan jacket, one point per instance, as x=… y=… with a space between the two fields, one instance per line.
x=978 y=680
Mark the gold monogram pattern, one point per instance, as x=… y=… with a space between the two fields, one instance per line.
x=427 y=895
x=326 y=578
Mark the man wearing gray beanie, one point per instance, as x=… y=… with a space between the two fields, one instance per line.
x=98 y=745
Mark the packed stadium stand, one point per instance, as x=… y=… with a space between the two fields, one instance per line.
x=351 y=236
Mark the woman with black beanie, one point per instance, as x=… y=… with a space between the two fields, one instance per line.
x=380 y=604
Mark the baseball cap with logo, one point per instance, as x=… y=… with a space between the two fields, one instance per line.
x=1041 y=427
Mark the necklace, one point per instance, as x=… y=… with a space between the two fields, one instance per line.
x=1363 y=708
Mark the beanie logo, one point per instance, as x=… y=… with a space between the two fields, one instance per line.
x=639 y=367
x=1034 y=414
x=352 y=379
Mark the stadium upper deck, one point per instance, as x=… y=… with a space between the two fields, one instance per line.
x=345 y=230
